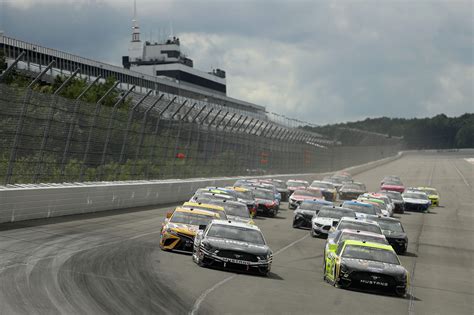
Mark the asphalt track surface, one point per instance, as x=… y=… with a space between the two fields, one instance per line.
x=111 y=263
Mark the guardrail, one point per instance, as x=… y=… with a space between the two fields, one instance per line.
x=25 y=202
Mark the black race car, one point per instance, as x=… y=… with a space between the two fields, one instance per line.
x=371 y=266
x=306 y=210
x=394 y=233
x=351 y=191
x=397 y=200
x=232 y=245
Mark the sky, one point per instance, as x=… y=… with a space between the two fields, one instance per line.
x=318 y=61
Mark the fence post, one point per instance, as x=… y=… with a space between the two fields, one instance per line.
x=21 y=119
x=72 y=125
x=142 y=133
x=10 y=68
x=155 y=134
x=91 y=128
x=127 y=130
x=109 y=130
x=52 y=108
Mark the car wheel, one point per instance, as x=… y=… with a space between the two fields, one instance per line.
x=272 y=213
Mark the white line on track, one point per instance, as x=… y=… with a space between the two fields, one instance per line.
x=462 y=176
x=203 y=296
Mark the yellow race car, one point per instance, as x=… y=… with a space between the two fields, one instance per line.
x=180 y=227
x=206 y=206
x=432 y=195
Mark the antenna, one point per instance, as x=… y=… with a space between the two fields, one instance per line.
x=171 y=30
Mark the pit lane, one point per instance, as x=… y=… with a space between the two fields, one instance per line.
x=110 y=262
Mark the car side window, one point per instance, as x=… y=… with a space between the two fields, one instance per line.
x=339 y=249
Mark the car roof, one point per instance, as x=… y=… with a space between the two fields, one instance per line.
x=355 y=202
x=382 y=218
x=235 y=223
x=196 y=211
x=369 y=244
x=321 y=201
x=202 y=205
x=363 y=220
x=358 y=232
x=239 y=189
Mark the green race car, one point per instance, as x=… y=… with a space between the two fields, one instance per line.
x=365 y=265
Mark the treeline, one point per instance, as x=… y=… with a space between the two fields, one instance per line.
x=438 y=132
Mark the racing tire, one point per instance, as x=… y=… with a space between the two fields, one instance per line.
x=272 y=213
x=313 y=234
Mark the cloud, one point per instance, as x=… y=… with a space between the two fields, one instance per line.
x=313 y=60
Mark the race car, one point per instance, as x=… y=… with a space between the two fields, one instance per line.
x=362 y=209
x=432 y=194
x=392 y=184
x=389 y=205
x=207 y=205
x=416 y=201
x=295 y=184
x=265 y=202
x=377 y=202
x=366 y=265
x=326 y=218
x=334 y=239
x=328 y=190
x=281 y=188
x=337 y=182
x=180 y=227
x=246 y=196
x=299 y=196
x=350 y=191
x=233 y=245
x=306 y=210
x=359 y=224
x=234 y=210
x=396 y=197
x=393 y=230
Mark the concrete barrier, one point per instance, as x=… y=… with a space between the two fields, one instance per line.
x=37 y=201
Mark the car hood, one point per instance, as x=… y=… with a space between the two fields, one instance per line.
x=414 y=200
x=393 y=234
x=305 y=212
x=240 y=219
x=183 y=228
x=325 y=221
x=351 y=191
x=299 y=197
x=372 y=266
x=258 y=200
x=227 y=244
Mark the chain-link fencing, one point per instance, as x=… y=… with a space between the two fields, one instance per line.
x=49 y=138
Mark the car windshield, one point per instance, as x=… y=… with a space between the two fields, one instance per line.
x=359 y=226
x=278 y=184
x=430 y=191
x=394 y=226
x=263 y=194
x=236 y=233
x=314 y=206
x=307 y=193
x=334 y=213
x=392 y=194
x=352 y=187
x=370 y=253
x=367 y=209
x=362 y=237
x=245 y=195
x=295 y=183
x=322 y=185
x=415 y=196
x=392 y=182
x=239 y=210
x=333 y=180
x=190 y=218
